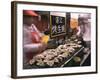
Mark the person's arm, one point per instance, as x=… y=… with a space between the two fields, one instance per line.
x=36 y=30
x=79 y=31
x=36 y=47
x=29 y=46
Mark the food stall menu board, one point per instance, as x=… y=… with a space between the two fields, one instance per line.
x=57 y=24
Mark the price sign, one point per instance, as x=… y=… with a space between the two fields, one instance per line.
x=57 y=26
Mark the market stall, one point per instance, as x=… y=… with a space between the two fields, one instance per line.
x=64 y=47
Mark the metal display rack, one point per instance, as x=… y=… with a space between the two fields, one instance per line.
x=72 y=56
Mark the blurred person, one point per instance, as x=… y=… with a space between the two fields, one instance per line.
x=84 y=32
x=31 y=36
x=84 y=29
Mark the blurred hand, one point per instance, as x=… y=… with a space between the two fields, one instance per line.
x=35 y=37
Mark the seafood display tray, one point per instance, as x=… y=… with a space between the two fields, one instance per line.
x=61 y=63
